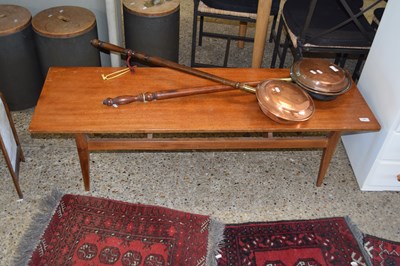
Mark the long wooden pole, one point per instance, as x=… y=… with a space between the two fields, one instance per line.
x=166 y=63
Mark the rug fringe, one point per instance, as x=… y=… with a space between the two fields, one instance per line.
x=359 y=236
x=32 y=236
x=215 y=241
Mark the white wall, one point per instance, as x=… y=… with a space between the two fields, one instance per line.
x=380 y=85
x=107 y=12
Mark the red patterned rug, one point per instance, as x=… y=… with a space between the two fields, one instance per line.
x=330 y=241
x=95 y=231
x=382 y=251
x=83 y=230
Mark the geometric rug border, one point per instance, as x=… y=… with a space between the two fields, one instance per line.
x=37 y=227
x=50 y=203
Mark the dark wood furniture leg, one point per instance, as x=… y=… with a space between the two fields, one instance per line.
x=333 y=138
x=21 y=158
x=17 y=187
x=15 y=174
x=83 y=152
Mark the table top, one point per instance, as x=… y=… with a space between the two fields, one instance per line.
x=71 y=102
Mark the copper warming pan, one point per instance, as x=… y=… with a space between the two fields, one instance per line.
x=320 y=78
x=282 y=101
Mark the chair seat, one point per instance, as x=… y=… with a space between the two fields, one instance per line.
x=245 y=6
x=206 y=9
x=295 y=13
x=240 y=11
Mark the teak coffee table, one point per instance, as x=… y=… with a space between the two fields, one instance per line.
x=71 y=103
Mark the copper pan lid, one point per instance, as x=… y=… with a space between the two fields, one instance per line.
x=284 y=101
x=320 y=76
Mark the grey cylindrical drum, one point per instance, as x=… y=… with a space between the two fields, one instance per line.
x=21 y=79
x=63 y=36
x=153 y=30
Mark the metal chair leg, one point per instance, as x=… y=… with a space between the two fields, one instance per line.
x=201 y=30
x=277 y=38
x=228 y=45
x=342 y=60
x=271 y=35
x=284 y=51
x=194 y=35
x=357 y=69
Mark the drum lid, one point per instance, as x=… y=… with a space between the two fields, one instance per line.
x=150 y=8
x=63 y=21
x=13 y=19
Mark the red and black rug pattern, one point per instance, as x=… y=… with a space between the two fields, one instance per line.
x=382 y=251
x=327 y=241
x=95 y=231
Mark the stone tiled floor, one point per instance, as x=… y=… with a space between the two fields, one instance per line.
x=233 y=187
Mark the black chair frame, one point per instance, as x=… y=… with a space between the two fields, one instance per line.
x=228 y=37
x=341 y=54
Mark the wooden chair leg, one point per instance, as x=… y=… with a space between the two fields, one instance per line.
x=242 y=33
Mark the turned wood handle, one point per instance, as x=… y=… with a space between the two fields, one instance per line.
x=166 y=63
x=120 y=100
x=168 y=94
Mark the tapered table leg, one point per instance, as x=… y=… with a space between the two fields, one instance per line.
x=327 y=154
x=83 y=152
